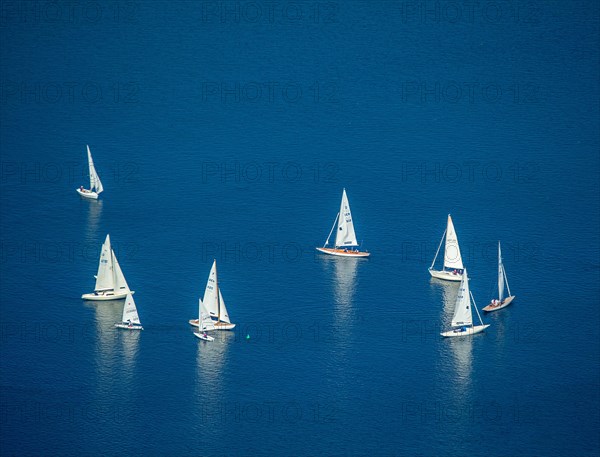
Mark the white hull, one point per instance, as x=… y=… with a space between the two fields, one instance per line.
x=202 y=337
x=343 y=252
x=446 y=275
x=106 y=295
x=491 y=307
x=128 y=327
x=218 y=325
x=466 y=332
x=87 y=194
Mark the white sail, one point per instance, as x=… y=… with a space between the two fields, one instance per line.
x=500 y=275
x=223 y=314
x=95 y=183
x=119 y=278
x=452 y=258
x=206 y=323
x=210 y=293
x=130 y=311
x=462 y=309
x=345 y=234
x=506 y=280
x=105 y=278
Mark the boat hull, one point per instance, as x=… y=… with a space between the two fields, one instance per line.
x=87 y=194
x=466 y=332
x=224 y=326
x=106 y=295
x=343 y=253
x=202 y=337
x=218 y=325
x=128 y=327
x=491 y=307
x=446 y=275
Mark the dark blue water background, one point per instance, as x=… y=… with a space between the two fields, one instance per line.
x=227 y=130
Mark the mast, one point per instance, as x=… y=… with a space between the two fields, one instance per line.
x=500 y=275
x=90 y=167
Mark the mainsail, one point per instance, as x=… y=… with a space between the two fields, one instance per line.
x=345 y=234
x=105 y=278
x=462 y=309
x=210 y=293
x=452 y=258
x=95 y=183
x=130 y=311
x=110 y=276
x=205 y=322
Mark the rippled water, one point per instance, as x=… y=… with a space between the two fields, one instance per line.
x=344 y=356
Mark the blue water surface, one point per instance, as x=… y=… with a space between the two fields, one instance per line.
x=227 y=130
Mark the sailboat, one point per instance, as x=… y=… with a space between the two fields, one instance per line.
x=214 y=303
x=130 y=319
x=345 y=237
x=206 y=323
x=110 y=281
x=462 y=320
x=95 y=184
x=501 y=302
x=453 y=266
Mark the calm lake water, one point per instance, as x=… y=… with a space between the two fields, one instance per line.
x=227 y=130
